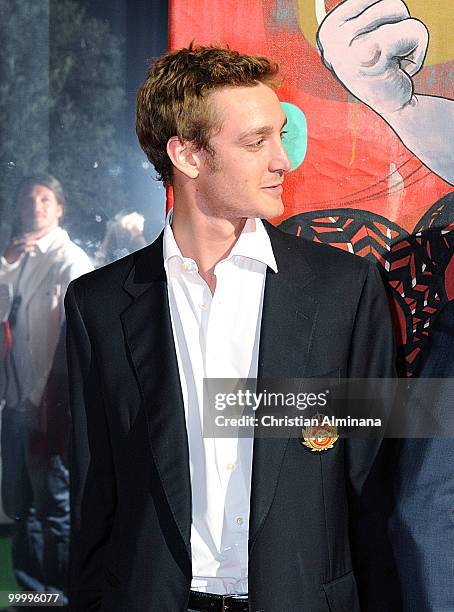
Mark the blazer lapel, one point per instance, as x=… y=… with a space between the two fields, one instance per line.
x=288 y=320
x=148 y=331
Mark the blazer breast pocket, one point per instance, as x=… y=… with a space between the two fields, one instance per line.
x=316 y=382
x=334 y=373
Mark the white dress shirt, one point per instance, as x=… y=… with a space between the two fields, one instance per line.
x=217 y=336
x=41 y=279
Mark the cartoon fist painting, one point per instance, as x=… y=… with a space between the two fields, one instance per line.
x=374 y=48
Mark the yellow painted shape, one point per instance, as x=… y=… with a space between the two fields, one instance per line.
x=437 y=15
x=307 y=17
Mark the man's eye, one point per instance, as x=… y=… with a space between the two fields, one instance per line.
x=283 y=133
x=257 y=143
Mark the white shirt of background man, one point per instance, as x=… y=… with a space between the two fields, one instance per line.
x=46 y=274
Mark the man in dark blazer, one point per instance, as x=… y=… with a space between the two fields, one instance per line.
x=422 y=521
x=315 y=528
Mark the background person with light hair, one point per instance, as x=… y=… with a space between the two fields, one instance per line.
x=124 y=235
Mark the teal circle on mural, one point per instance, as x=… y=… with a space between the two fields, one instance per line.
x=295 y=140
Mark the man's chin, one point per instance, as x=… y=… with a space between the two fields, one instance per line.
x=36 y=228
x=29 y=228
x=271 y=211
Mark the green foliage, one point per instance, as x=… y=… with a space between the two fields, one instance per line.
x=61 y=98
x=24 y=95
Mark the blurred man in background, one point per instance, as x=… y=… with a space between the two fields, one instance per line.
x=35 y=270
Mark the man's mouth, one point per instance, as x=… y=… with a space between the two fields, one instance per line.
x=275 y=189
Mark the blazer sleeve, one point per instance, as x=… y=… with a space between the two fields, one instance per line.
x=93 y=490
x=369 y=462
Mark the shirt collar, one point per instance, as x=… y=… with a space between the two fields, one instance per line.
x=170 y=247
x=253 y=243
x=44 y=243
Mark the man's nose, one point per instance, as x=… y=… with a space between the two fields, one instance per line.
x=37 y=205
x=280 y=162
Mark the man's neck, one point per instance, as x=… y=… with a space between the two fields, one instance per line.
x=205 y=239
x=41 y=233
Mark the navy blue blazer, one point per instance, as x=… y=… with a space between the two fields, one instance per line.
x=424 y=515
x=317 y=533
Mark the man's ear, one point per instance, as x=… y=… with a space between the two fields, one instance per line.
x=183 y=157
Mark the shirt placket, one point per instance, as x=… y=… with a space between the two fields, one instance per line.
x=220 y=330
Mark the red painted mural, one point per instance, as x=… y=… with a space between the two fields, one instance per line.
x=358 y=188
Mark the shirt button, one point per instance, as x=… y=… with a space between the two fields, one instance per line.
x=231 y=466
x=239 y=520
x=187 y=266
